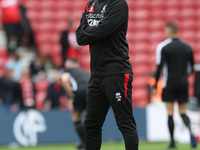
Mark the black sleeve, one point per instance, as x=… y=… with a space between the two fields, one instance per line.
x=80 y=38
x=191 y=60
x=117 y=13
x=159 y=67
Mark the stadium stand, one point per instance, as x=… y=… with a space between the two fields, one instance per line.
x=147 y=18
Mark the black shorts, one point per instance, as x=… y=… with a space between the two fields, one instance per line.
x=80 y=98
x=171 y=94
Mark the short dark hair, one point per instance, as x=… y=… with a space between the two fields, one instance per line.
x=173 y=26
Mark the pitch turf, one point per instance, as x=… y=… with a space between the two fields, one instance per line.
x=105 y=146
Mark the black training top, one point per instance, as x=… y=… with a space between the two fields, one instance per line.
x=104 y=26
x=77 y=77
x=176 y=59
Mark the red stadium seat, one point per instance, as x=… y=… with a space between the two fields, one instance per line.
x=43 y=37
x=35 y=25
x=188 y=3
x=47 y=14
x=157 y=24
x=140 y=58
x=153 y=45
x=63 y=14
x=141 y=47
x=61 y=25
x=197 y=57
x=140 y=81
x=140 y=35
x=131 y=25
x=130 y=36
x=140 y=69
x=63 y=4
x=156 y=35
x=33 y=14
x=141 y=3
x=3 y=52
x=46 y=4
x=189 y=24
x=79 y=4
x=44 y=48
x=76 y=15
x=188 y=12
x=55 y=49
x=131 y=4
x=172 y=13
x=172 y=3
x=188 y=34
x=157 y=3
x=55 y=37
x=32 y=4
x=158 y=13
x=45 y=26
x=142 y=24
x=141 y=13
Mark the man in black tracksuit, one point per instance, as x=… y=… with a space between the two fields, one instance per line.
x=176 y=59
x=74 y=80
x=104 y=26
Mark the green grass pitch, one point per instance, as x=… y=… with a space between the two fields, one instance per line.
x=105 y=146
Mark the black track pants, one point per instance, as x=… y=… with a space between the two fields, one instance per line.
x=103 y=92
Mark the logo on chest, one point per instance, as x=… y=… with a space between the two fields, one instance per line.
x=94 y=19
x=90 y=8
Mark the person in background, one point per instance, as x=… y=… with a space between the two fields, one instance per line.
x=17 y=64
x=28 y=89
x=75 y=81
x=64 y=41
x=175 y=58
x=70 y=48
x=10 y=18
x=154 y=97
x=10 y=91
x=37 y=67
x=28 y=36
x=54 y=93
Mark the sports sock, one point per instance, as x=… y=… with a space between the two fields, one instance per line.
x=80 y=129
x=171 y=128
x=186 y=121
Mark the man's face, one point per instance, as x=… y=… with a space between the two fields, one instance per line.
x=168 y=32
